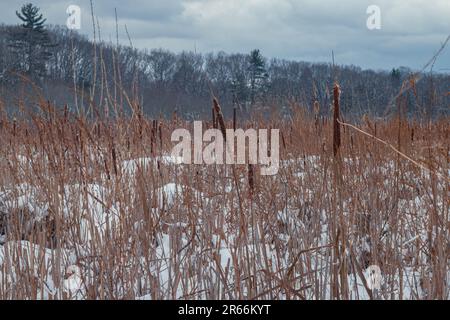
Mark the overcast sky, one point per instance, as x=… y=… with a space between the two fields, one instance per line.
x=308 y=30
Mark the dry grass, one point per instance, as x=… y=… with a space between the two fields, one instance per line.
x=307 y=233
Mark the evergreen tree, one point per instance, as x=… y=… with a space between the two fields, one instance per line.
x=395 y=77
x=258 y=74
x=31 y=42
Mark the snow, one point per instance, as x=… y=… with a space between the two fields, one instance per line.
x=33 y=261
x=73 y=285
x=24 y=196
x=95 y=216
x=133 y=166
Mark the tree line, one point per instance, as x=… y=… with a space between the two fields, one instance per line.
x=71 y=70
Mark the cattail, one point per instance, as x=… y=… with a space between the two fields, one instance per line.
x=139 y=115
x=50 y=111
x=114 y=158
x=365 y=118
x=66 y=113
x=316 y=111
x=107 y=170
x=160 y=136
x=153 y=136
x=155 y=126
x=283 y=141
x=234 y=118
x=214 y=120
x=98 y=130
x=220 y=119
x=316 y=108
x=106 y=109
x=336 y=126
x=251 y=179
x=174 y=117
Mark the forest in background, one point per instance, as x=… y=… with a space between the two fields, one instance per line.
x=67 y=68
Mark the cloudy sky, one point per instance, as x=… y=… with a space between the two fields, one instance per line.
x=411 y=30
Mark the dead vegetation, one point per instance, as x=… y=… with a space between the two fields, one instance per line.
x=102 y=194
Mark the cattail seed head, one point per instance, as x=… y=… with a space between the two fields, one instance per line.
x=336 y=125
x=220 y=118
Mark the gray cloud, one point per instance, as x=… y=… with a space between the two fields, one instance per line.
x=295 y=29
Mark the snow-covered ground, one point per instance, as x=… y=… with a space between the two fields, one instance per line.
x=187 y=243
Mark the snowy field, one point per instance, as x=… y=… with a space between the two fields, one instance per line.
x=107 y=221
x=192 y=244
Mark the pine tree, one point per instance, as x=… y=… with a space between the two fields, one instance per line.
x=395 y=76
x=31 y=42
x=258 y=74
